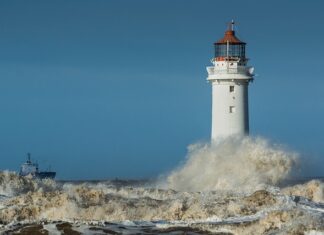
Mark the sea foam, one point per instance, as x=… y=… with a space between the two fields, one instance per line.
x=244 y=164
x=227 y=186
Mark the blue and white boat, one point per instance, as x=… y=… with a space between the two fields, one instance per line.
x=31 y=169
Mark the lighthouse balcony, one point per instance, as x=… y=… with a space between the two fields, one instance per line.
x=230 y=70
x=241 y=72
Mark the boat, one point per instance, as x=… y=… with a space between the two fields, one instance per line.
x=31 y=169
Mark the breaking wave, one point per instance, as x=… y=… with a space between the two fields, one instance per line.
x=290 y=209
x=234 y=163
x=83 y=203
x=12 y=185
x=229 y=187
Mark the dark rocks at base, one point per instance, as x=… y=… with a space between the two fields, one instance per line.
x=104 y=230
x=36 y=229
x=66 y=229
x=182 y=231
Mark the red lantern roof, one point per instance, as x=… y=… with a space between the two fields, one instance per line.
x=230 y=37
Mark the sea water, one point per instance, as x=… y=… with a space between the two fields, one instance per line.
x=236 y=186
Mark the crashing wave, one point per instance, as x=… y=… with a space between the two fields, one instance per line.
x=12 y=184
x=243 y=164
x=229 y=187
x=213 y=210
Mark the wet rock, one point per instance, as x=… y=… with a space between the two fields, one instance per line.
x=36 y=229
x=66 y=229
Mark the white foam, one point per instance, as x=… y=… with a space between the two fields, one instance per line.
x=246 y=164
x=51 y=228
x=313 y=232
x=218 y=185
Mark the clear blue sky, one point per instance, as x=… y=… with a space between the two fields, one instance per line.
x=102 y=89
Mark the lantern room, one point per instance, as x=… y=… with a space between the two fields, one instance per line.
x=229 y=47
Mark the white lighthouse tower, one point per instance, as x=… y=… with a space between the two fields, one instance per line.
x=230 y=77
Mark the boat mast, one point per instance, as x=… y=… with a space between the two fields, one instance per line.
x=28 y=158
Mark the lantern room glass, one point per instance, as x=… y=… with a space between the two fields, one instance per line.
x=234 y=50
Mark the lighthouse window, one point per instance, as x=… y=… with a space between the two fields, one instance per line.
x=231 y=88
x=232 y=109
x=235 y=50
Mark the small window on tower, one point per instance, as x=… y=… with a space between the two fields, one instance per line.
x=231 y=88
x=232 y=109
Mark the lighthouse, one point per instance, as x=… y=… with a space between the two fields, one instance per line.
x=230 y=76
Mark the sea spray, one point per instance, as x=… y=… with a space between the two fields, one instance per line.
x=12 y=185
x=221 y=187
x=85 y=203
x=312 y=190
x=243 y=164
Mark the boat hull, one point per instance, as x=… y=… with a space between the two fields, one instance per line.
x=45 y=175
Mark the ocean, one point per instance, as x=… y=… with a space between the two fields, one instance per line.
x=234 y=187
